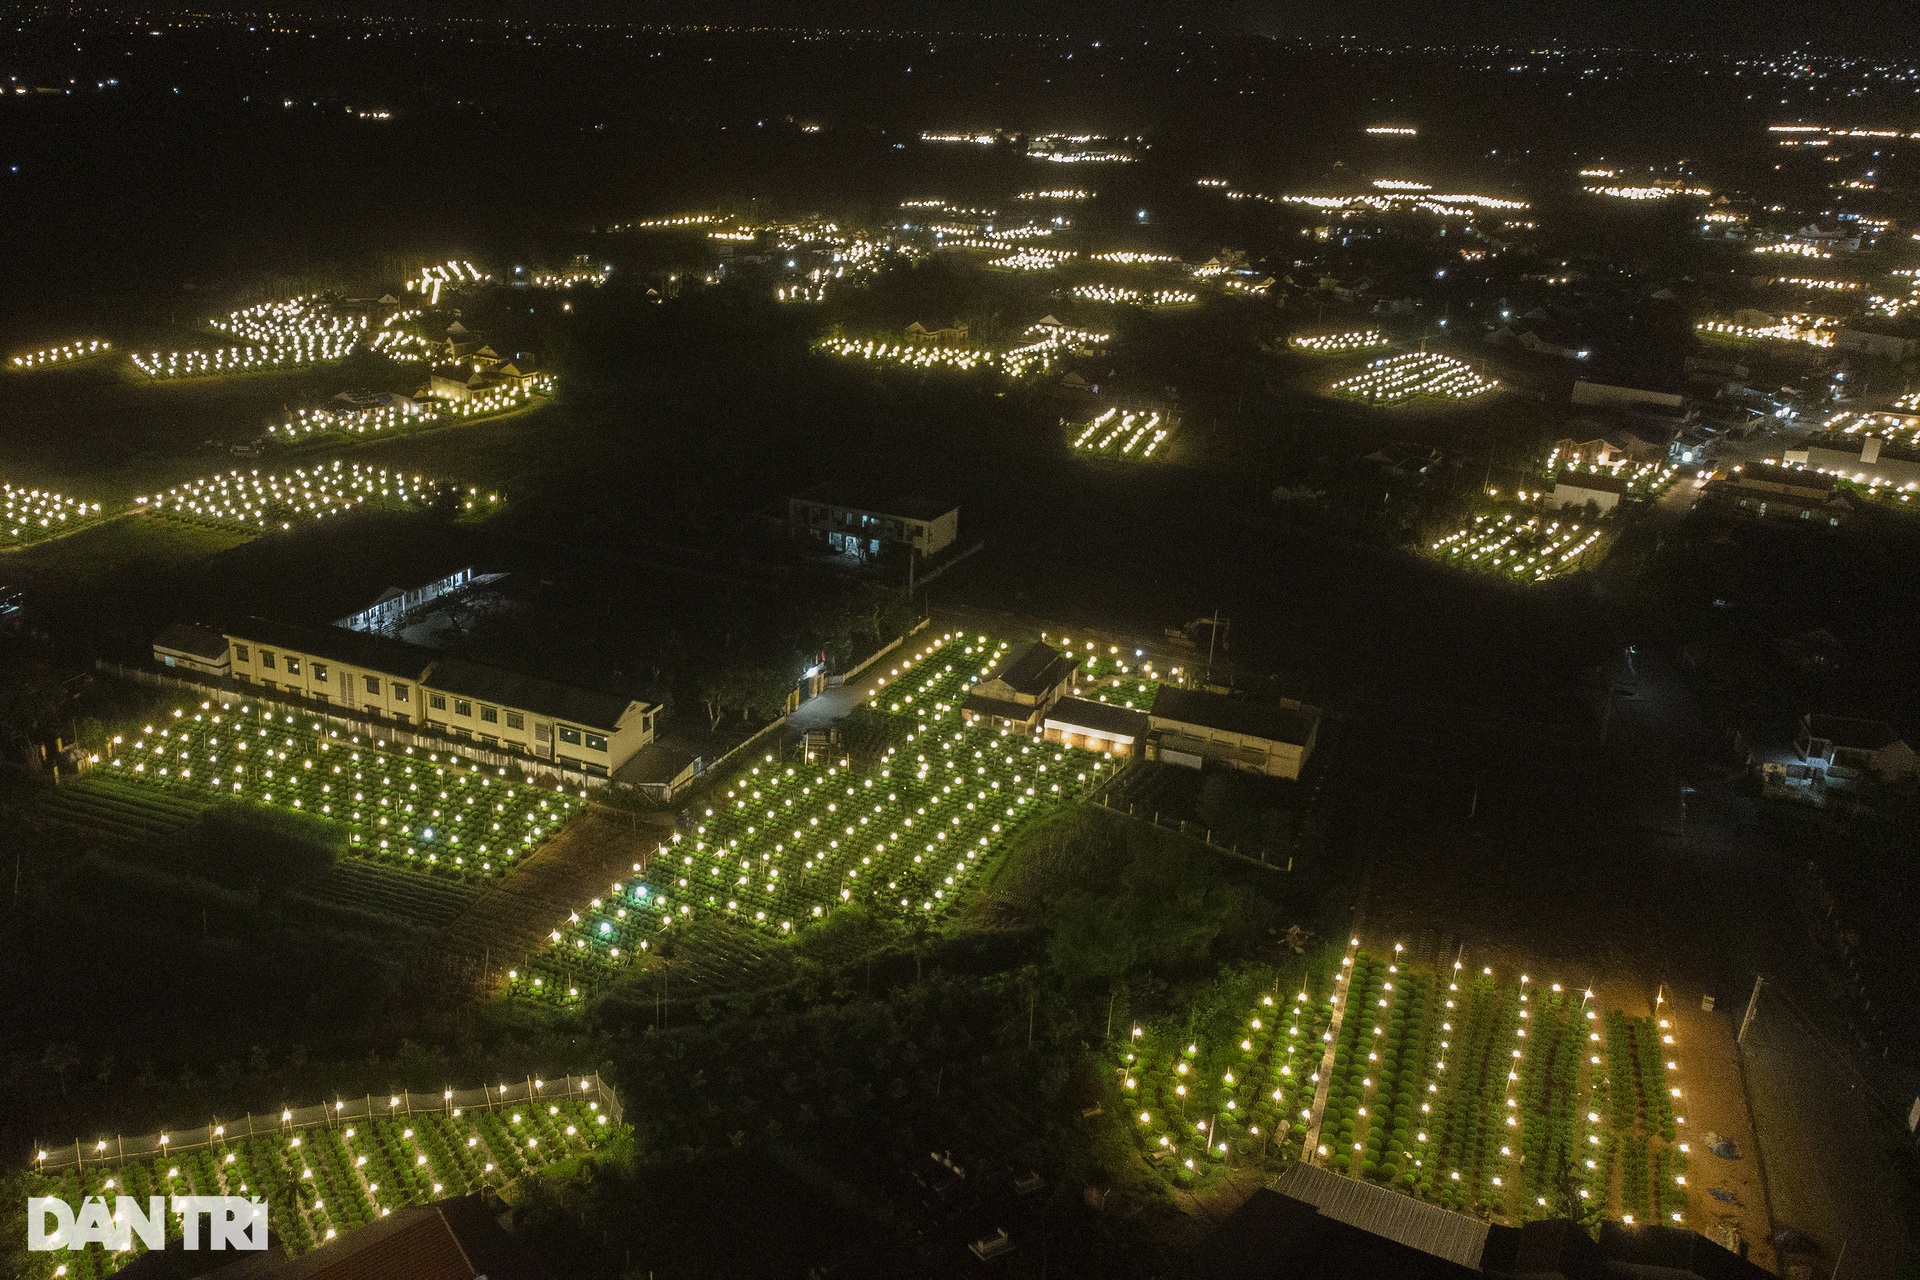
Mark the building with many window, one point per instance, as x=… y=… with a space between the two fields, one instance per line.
x=589 y=729
x=861 y=524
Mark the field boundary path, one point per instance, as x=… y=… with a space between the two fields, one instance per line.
x=1325 y=1084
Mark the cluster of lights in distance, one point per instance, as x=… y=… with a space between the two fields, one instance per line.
x=1646 y=193
x=1900 y=428
x=1530 y=548
x=1793 y=248
x=1815 y=331
x=60 y=354
x=1043 y=342
x=1338 y=343
x=1417 y=373
x=1401 y=184
x=293 y=320
x=1815 y=282
x=1122 y=295
x=1642 y=478
x=1116 y=434
x=27 y=515
x=254 y=502
x=578 y=273
x=1075 y=148
x=657 y=224
x=1446 y=206
x=1392 y=131
x=1056 y=193
x=1257 y=288
x=221 y=360
x=452 y=274
x=1031 y=259
x=912 y=356
x=1132 y=258
x=371 y=420
x=978 y=139
x=1874 y=486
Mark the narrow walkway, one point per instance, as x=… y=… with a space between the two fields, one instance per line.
x=1325 y=1082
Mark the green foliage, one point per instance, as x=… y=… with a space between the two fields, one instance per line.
x=242 y=846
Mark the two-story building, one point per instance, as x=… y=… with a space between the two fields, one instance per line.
x=862 y=523
x=591 y=729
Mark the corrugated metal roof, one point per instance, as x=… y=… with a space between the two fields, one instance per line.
x=1418 y=1225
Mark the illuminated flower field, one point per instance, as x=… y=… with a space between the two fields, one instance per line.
x=1524 y=548
x=1199 y=1101
x=29 y=515
x=1338 y=343
x=1114 y=434
x=785 y=844
x=1396 y=379
x=326 y=1171
x=63 y=354
x=404 y=808
x=1502 y=1095
x=254 y=502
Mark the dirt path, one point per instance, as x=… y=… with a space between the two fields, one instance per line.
x=511 y=920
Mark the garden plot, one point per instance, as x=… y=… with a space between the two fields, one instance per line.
x=1200 y=1103
x=1338 y=343
x=1397 y=379
x=65 y=353
x=289 y=334
x=254 y=502
x=1114 y=434
x=1642 y=479
x=322 y=1180
x=1524 y=548
x=1114 y=680
x=30 y=515
x=1503 y=1096
x=1122 y=295
x=785 y=844
x=411 y=415
x=401 y=808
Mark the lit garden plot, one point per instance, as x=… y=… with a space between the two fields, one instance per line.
x=1814 y=331
x=1117 y=681
x=397 y=339
x=65 y=353
x=288 y=334
x=1338 y=343
x=29 y=515
x=581 y=271
x=1901 y=428
x=1642 y=479
x=1120 y=295
x=1397 y=379
x=1198 y=1104
x=786 y=844
x=388 y=419
x=254 y=502
x=451 y=274
x=1524 y=548
x=302 y=319
x=326 y=1178
x=906 y=355
x=404 y=808
x=1501 y=1095
x=1031 y=259
x=1114 y=434
x=1132 y=258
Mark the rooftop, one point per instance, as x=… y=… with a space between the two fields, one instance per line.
x=186 y=637
x=913 y=506
x=1292 y=724
x=1035 y=669
x=592 y=708
x=337 y=644
x=1101 y=717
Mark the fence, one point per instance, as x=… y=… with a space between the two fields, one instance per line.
x=118 y=1150
x=858 y=667
x=385 y=733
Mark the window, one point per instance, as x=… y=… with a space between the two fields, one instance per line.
x=488 y=739
x=320 y=673
x=293 y=665
x=401 y=716
x=240 y=653
x=569 y=736
x=597 y=770
x=438 y=701
x=461 y=707
x=373 y=683
x=372 y=710
x=515 y=720
x=490 y=714
x=596 y=743
x=542 y=730
x=320 y=697
x=266 y=659
x=399 y=692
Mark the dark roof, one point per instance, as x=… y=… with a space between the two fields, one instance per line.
x=1102 y=717
x=1687 y=1253
x=1273 y=1236
x=1789 y=477
x=1852 y=734
x=1596 y=481
x=1036 y=669
x=592 y=708
x=913 y=506
x=981 y=706
x=1235 y=715
x=458 y=1239
x=337 y=644
x=1413 y=1223
x=186 y=637
x=658 y=763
